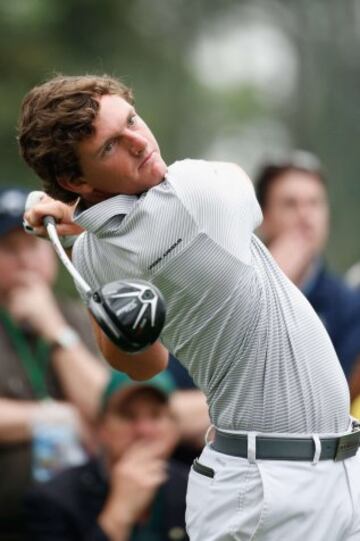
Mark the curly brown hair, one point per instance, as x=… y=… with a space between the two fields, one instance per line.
x=54 y=117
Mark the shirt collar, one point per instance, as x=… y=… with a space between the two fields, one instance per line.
x=93 y=218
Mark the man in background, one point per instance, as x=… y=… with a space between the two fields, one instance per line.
x=49 y=372
x=294 y=200
x=132 y=490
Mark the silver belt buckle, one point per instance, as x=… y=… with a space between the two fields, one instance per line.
x=347 y=445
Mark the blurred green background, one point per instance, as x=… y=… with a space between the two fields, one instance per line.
x=222 y=79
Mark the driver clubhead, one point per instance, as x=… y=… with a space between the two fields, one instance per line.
x=130 y=312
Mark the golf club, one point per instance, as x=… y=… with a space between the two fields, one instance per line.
x=130 y=312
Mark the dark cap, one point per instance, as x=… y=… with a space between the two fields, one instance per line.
x=121 y=384
x=12 y=206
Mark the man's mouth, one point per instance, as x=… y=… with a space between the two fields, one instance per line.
x=146 y=159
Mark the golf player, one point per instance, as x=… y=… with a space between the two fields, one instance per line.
x=281 y=461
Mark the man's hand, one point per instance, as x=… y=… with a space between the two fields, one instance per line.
x=33 y=303
x=294 y=252
x=135 y=479
x=62 y=213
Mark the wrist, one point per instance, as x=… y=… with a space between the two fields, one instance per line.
x=49 y=326
x=116 y=525
x=66 y=338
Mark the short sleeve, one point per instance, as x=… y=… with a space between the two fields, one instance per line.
x=222 y=201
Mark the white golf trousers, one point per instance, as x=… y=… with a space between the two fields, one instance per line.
x=270 y=500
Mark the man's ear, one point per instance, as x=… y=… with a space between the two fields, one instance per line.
x=77 y=185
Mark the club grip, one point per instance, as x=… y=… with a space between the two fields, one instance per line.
x=49 y=220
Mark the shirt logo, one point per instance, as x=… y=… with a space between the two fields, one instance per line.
x=157 y=261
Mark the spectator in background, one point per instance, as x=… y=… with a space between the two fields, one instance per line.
x=131 y=490
x=42 y=355
x=294 y=200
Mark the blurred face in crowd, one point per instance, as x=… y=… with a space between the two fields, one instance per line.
x=141 y=417
x=19 y=253
x=121 y=157
x=297 y=201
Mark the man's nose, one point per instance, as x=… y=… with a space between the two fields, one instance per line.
x=305 y=214
x=145 y=428
x=136 y=143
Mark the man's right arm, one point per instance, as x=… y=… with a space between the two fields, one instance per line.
x=16 y=419
x=140 y=366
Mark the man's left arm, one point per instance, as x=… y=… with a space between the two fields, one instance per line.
x=82 y=375
x=140 y=366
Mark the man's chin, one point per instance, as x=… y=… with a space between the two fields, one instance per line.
x=159 y=170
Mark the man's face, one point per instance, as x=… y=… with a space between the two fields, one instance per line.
x=142 y=418
x=297 y=202
x=20 y=252
x=121 y=157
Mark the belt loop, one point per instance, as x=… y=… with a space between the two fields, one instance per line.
x=207 y=434
x=317 y=452
x=251 y=447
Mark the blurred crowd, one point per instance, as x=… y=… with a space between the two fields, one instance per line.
x=88 y=454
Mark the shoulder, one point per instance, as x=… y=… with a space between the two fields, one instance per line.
x=337 y=305
x=209 y=189
x=337 y=291
x=184 y=168
x=68 y=490
x=66 y=505
x=216 y=181
x=62 y=485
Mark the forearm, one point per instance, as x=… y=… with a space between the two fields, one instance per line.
x=83 y=378
x=141 y=366
x=191 y=412
x=16 y=420
x=115 y=526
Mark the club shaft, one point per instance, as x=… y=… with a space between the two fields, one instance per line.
x=53 y=236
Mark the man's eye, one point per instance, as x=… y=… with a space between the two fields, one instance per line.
x=132 y=120
x=108 y=147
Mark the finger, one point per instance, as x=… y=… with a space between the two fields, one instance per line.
x=145 y=450
x=39 y=231
x=34 y=216
x=68 y=229
x=33 y=199
x=45 y=207
x=154 y=479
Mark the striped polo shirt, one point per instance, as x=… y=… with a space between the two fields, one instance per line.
x=246 y=334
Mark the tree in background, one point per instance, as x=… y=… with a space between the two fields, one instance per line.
x=152 y=45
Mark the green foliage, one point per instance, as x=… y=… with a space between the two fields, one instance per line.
x=149 y=42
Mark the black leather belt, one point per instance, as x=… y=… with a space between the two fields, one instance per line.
x=287 y=448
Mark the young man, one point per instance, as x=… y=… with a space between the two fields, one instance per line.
x=250 y=340
x=294 y=200
x=132 y=489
